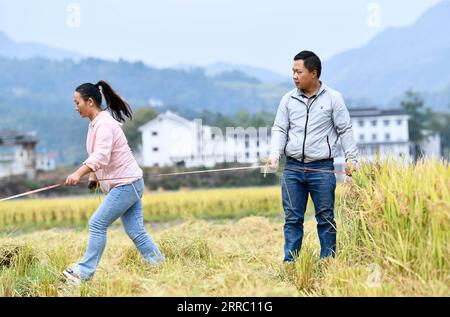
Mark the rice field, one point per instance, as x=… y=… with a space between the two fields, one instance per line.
x=159 y=206
x=393 y=240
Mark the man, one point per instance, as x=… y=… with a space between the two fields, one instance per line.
x=309 y=121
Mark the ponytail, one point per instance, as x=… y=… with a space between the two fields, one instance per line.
x=119 y=107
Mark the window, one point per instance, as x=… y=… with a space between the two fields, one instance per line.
x=386 y=123
x=374 y=123
x=154 y=133
x=213 y=136
x=361 y=137
x=155 y=149
x=399 y=122
x=387 y=136
x=361 y=123
x=374 y=137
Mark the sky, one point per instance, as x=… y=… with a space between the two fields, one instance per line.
x=166 y=33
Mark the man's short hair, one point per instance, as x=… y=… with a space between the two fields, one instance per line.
x=311 y=61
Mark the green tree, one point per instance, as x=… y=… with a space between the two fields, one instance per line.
x=263 y=119
x=418 y=122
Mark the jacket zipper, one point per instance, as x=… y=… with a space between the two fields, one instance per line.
x=329 y=147
x=304 y=139
x=306 y=125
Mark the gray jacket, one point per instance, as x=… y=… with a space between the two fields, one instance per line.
x=308 y=130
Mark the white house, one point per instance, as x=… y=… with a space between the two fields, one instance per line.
x=376 y=130
x=170 y=140
x=46 y=161
x=17 y=154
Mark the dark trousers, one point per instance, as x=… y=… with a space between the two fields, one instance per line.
x=295 y=187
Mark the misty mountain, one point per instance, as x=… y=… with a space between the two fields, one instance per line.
x=414 y=57
x=36 y=94
x=259 y=73
x=264 y=75
x=12 y=49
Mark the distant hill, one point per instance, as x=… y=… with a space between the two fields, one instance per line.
x=43 y=81
x=413 y=57
x=11 y=49
x=264 y=75
x=216 y=69
x=37 y=94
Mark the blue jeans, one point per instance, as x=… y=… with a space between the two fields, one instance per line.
x=124 y=202
x=295 y=187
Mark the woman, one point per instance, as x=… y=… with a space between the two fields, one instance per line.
x=109 y=158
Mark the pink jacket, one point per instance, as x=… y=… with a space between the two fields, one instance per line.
x=109 y=153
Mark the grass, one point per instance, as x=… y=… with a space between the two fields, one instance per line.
x=393 y=240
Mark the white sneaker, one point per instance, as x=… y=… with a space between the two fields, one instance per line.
x=72 y=277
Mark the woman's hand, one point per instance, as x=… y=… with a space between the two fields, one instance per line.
x=73 y=179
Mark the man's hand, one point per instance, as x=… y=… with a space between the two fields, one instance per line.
x=273 y=162
x=351 y=168
x=73 y=179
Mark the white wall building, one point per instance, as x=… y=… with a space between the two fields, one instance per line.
x=385 y=131
x=170 y=140
x=17 y=154
x=46 y=161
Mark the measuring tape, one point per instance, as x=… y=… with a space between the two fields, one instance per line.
x=265 y=167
